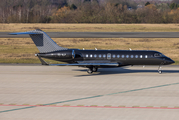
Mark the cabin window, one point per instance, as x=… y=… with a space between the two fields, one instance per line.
x=132 y=56
x=146 y=56
x=91 y=55
x=100 y=56
x=104 y=56
x=118 y=56
x=136 y=56
x=141 y=56
x=127 y=56
x=114 y=56
x=122 y=56
x=95 y=55
x=87 y=55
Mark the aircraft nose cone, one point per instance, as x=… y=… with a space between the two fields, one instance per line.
x=170 y=61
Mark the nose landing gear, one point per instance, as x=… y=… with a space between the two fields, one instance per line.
x=160 y=69
x=92 y=69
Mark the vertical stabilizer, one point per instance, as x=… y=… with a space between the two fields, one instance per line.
x=43 y=42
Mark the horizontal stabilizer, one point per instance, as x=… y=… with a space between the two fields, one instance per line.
x=23 y=33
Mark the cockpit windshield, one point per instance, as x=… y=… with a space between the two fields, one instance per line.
x=158 y=55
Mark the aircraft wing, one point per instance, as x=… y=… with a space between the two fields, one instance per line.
x=84 y=63
x=87 y=64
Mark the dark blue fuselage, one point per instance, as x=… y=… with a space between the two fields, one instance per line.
x=123 y=57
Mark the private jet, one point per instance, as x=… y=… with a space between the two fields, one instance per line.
x=93 y=59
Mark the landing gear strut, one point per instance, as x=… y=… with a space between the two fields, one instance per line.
x=95 y=69
x=160 y=69
x=92 y=69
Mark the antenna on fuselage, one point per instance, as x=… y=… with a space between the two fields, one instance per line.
x=96 y=49
x=130 y=49
x=83 y=48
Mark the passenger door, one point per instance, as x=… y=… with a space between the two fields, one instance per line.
x=109 y=56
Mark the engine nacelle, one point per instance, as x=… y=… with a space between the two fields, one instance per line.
x=65 y=55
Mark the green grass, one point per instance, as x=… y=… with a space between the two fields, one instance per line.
x=26 y=60
x=176 y=63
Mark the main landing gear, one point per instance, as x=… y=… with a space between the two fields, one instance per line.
x=160 y=69
x=92 y=69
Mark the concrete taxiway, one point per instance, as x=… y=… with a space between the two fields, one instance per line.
x=100 y=35
x=69 y=93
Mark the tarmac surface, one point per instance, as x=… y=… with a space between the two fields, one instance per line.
x=100 y=35
x=33 y=92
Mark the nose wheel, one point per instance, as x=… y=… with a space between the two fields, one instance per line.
x=160 y=70
x=91 y=70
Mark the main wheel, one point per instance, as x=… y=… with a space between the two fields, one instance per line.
x=89 y=71
x=160 y=72
x=95 y=69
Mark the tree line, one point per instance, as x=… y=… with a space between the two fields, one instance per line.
x=87 y=11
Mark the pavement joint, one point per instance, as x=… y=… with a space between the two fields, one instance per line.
x=108 y=106
x=150 y=106
x=66 y=105
x=80 y=105
x=164 y=107
x=135 y=106
x=94 y=105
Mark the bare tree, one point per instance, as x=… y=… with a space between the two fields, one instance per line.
x=176 y=1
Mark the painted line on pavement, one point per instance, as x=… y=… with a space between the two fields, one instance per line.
x=94 y=96
x=92 y=106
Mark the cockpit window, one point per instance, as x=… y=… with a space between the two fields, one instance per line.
x=158 y=55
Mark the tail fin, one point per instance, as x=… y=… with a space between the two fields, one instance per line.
x=43 y=42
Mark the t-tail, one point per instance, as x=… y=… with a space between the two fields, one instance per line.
x=43 y=42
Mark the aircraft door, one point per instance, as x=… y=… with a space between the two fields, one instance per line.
x=109 y=56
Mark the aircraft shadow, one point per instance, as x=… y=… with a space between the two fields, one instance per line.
x=110 y=71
